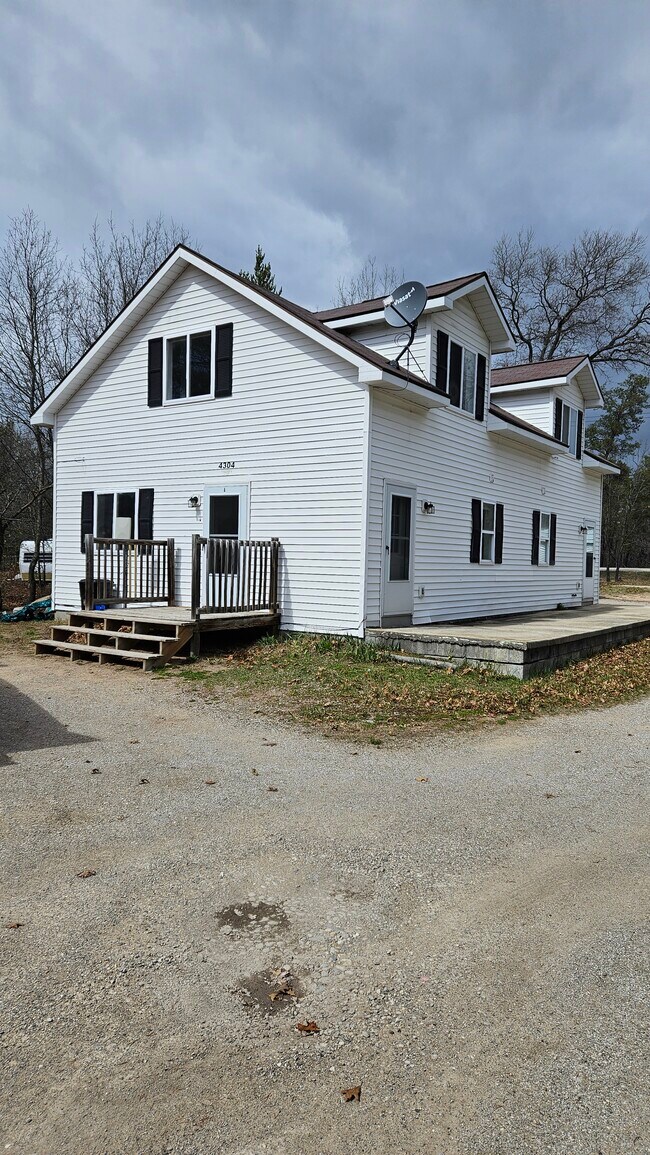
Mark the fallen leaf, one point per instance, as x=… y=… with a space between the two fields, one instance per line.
x=255 y=772
x=134 y=741
x=308 y=1028
x=13 y=925
x=265 y=742
x=548 y=794
x=272 y=789
x=144 y=782
x=282 y=992
x=210 y=782
x=351 y=1094
x=87 y=874
x=421 y=779
x=95 y=770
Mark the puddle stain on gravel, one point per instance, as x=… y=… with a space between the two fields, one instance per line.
x=256 y=990
x=257 y=918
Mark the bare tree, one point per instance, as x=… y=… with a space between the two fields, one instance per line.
x=115 y=265
x=593 y=297
x=371 y=281
x=31 y=276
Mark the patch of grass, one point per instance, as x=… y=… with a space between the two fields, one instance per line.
x=19 y=636
x=347 y=687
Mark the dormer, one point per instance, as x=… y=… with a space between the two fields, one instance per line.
x=550 y=395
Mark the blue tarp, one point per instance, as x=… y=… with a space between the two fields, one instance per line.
x=38 y=611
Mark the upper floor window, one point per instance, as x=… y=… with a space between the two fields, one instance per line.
x=461 y=373
x=568 y=426
x=189 y=366
x=192 y=365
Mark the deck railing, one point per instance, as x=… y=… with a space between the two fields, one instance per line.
x=231 y=576
x=125 y=572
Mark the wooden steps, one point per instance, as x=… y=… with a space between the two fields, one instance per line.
x=116 y=637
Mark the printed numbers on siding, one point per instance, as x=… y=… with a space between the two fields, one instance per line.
x=226 y=465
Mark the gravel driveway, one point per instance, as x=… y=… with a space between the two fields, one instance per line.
x=473 y=947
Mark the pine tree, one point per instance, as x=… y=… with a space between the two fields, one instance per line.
x=261 y=275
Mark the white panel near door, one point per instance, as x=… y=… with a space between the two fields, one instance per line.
x=397 y=585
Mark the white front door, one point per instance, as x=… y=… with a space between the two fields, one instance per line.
x=399 y=519
x=588 y=579
x=225 y=516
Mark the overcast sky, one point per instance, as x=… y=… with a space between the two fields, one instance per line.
x=328 y=129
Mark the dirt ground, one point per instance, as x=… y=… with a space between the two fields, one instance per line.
x=465 y=921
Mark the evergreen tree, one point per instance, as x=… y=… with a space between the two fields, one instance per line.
x=262 y=275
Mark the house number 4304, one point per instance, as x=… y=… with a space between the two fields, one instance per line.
x=226 y=465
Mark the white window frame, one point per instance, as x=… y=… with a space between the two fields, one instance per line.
x=114 y=493
x=490 y=534
x=167 y=399
x=544 y=545
x=569 y=427
x=464 y=349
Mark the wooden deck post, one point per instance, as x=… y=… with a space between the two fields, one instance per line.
x=89 y=589
x=273 y=582
x=171 y=573
x=196 y=574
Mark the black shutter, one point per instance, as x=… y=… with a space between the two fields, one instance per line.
x=455 y=370
x=534 y=552
x=481 y=364
x=442 y=353
x=551 y=551
x=145 y=514
x=223 y=361
x=155 y=373
x=87 y=516
x=498 y=542
x=579 y=436
x=475 y=547
x=557 y=428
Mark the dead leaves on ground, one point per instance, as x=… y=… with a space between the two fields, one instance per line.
x=549 y=794
x=210 y=782
x=423 y=779
x=308 y=1028
x=351 y=1094
x=86 y=874
x=13 y=925
x=144 y=782
x=272 y=789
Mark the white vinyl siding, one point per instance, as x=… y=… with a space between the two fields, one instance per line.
x=449 y=463
x=294 y=428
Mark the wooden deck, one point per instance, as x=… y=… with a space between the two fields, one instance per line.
x=148 y=636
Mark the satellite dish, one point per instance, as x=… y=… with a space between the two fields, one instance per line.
x=404 y=305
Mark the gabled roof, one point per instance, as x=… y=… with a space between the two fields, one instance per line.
x=443 y=295
x=160 y=281
x=544 y=374
x=376 y=304
x=535 y=370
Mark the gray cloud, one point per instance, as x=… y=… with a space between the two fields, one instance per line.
x=328 y=129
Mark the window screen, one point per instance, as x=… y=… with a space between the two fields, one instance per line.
x=200 y=357
x=224 y=515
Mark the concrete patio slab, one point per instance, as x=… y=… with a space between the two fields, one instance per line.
x=524 y=644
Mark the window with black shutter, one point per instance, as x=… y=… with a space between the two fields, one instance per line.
x=455 y=372
x=145 y=514
x=87 y=516
x=223 y=361
x=155 y=373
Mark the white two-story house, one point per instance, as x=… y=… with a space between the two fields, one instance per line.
x=211 y=411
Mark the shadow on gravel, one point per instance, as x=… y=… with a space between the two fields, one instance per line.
x=24 y=725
